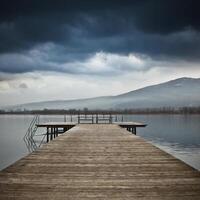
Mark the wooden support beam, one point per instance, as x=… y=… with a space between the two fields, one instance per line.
x=47 y=134
x=97 y=120
x=78 y=118
x=51 y=134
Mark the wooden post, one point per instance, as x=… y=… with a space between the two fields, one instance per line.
x=78 y=118
x=97 y=119
x=110 y=118
x=135 y=130
x=51 y=134
x=47 y=134
x=54 y=132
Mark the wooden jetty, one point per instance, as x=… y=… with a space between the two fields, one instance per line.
x=56 y=128
x=99 y=161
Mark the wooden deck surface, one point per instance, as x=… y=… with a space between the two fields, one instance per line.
x=99 y=162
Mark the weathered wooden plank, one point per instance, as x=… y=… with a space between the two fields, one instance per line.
x=98 y=161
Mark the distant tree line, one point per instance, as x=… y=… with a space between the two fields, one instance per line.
x=162 y=110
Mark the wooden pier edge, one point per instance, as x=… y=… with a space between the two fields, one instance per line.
x=98 y=161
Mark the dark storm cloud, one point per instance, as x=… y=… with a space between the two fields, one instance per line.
x=157 y=28
x=150 y=15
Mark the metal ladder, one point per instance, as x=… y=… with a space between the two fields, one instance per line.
x=30 y=133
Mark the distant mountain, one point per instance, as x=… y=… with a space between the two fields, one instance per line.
x=175 y=93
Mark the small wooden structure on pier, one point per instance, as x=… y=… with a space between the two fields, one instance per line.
x=99 y=161
x=53 y=129
x=56 y=128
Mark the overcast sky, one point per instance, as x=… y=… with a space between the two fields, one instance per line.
x=67 y=49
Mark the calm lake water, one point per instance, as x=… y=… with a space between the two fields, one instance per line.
x=179 y=135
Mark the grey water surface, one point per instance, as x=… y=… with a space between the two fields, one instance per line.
x=179 y=135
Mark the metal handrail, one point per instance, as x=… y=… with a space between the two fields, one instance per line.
x=95 y=118
x=30 y=133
